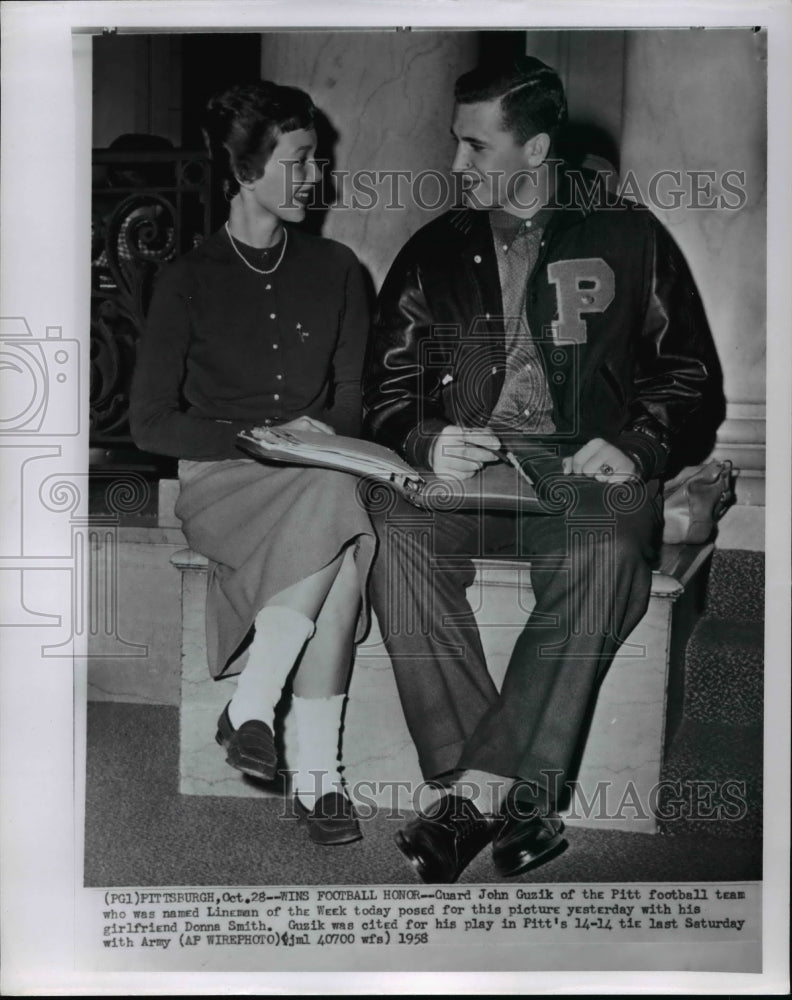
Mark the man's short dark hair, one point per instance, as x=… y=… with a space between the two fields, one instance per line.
x=531 y=93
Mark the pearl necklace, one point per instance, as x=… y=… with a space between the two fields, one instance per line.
x=246 y=262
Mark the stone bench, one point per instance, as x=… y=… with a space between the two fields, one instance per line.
x=638 y=707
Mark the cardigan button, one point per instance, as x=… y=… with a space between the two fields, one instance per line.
x=477 y=258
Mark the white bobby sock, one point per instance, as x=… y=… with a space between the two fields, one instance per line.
x=312 y=738
x=280 y=636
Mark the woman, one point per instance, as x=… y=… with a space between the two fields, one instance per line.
x=264 y=325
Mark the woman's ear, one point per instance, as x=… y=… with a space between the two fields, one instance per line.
x=245 y=172
x=244 y=178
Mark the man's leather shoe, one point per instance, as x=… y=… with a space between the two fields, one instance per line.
x=331 y=821
x=443 y=841
x=527 y=838
x=250 y=749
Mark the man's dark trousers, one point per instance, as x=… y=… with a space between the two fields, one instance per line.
x=591 y=575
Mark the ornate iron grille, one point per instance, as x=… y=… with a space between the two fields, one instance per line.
x=147 y=209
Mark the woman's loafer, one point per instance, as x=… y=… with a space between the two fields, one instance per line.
x=250 y=749
x=332 y=820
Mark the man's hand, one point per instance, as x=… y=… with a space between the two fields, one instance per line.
x=460 y=452
x=601 y=460
x=298 y=424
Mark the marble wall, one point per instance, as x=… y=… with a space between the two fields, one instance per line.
x=695 y=101
x=389 y=97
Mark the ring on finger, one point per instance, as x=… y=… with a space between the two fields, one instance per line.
x=606 y=470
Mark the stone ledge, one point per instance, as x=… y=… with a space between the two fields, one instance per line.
x=678 y=564
x=150 y=535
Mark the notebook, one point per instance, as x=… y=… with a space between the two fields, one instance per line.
x=529 y=481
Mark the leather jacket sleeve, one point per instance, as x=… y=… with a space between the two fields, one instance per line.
x=401 y=395
x=677 y=378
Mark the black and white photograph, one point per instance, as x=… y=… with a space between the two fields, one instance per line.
x=392 y=542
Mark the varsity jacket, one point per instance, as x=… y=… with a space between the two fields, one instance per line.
x=612 y=306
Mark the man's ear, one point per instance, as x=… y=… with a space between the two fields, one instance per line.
x=536 y=149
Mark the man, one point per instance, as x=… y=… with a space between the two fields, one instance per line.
x=524 y=319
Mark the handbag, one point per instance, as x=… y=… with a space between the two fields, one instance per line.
x=695 y=500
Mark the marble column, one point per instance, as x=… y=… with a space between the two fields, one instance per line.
x=389 y=97
x=694 y=101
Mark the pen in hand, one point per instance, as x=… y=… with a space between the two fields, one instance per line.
x=509 y=458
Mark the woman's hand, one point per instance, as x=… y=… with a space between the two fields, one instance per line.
x=298 y=424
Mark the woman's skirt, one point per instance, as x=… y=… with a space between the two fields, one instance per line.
x=263 y=529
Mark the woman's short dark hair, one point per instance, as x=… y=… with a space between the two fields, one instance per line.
x=531 y=93
x=242 y=126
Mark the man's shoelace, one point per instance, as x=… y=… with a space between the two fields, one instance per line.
x=460 y=820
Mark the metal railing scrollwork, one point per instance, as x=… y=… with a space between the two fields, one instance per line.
x=147 y=209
